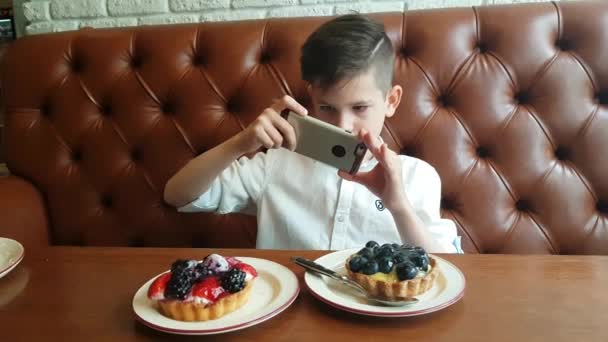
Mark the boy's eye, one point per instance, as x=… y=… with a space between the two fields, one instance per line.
x=325 y=108
x=359 y=108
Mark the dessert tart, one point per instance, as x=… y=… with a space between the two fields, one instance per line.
x=393 y=271
x=205 y=290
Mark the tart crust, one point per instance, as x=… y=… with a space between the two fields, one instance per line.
x=191 y=311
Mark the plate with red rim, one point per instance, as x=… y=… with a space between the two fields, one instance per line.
x=447 y=290
x=274 y=290
x=11 y=254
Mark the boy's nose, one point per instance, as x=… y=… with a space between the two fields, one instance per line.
x=345 y=122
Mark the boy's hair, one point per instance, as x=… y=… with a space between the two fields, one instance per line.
x=345 y=47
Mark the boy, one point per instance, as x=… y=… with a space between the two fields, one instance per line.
x=304 y=204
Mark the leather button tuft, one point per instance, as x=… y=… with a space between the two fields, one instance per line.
x=106 y=201
x=523 y=205
x=483 y=152
x=562 y=153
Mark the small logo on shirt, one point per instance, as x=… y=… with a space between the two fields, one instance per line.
x=379 y=205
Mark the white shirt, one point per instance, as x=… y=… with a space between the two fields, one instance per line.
x=301 y=203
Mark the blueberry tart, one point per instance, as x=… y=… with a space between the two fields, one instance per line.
x=393 y=271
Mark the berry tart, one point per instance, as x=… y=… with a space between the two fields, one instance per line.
x=393 y=271
x=201 y=291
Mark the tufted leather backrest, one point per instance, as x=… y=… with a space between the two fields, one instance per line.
x=509 y=103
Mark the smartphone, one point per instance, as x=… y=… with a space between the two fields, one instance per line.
x=327 y=143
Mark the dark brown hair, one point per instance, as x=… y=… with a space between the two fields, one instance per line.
x=345 y=47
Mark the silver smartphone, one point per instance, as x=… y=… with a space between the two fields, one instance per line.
x=327 y=143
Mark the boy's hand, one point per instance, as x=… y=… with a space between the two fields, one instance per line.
x=270 y=129
x=385 y=179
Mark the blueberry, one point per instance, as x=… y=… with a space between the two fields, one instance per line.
x=371 y=244
x=356 y=263
x=367 y=252
x=399 y=258
x=421 y=261
x=407 y=271
x=385 y=251
x=386 y=265
x=420 y=250
x=370 y=268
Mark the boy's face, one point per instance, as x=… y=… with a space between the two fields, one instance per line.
x=355 y=103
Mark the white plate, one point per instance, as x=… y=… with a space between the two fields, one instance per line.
x=448 y=289
x=275 y=288
x=11 y=254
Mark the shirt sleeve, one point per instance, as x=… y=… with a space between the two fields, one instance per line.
x=236 y=189
x=423 y=188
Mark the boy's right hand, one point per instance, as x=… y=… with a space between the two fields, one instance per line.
x=270 y=129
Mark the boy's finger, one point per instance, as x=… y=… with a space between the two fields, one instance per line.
x=286 y=130
x=384 y=151
x=288 y=102
x=372 y=141
x=295 y=106
x=345 y=175
x=371 y=145
x=273 y=133
x=265 y=139
x=349 y=177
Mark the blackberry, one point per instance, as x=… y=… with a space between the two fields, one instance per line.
x=181 y=264
x=180 y=283
x=234 y=280
x=183 y=276
x=201 y=272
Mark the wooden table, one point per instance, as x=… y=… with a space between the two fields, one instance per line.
x=81 y=294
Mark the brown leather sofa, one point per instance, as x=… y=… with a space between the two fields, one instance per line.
x=509 y=103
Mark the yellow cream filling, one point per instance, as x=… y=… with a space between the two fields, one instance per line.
x=392 y=277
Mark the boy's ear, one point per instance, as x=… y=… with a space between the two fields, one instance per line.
x=393 y=98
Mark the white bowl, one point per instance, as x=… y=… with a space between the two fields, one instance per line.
x=11 y=254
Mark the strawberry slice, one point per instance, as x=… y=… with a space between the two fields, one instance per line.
x=157 y=289
x=209 y=288
x=246 y=268
x=232 y=261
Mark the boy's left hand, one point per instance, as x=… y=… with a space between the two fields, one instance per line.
x=385 y=179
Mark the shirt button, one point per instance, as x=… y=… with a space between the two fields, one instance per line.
x=340 y=218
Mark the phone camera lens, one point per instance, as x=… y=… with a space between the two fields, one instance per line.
x=338 y=151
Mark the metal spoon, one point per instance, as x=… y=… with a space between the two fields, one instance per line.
x=313 y=266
